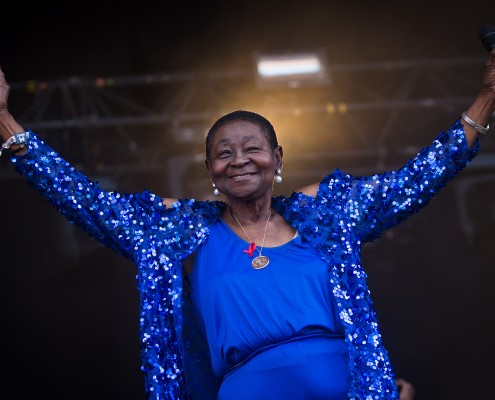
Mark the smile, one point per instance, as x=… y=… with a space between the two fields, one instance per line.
x=241 y=176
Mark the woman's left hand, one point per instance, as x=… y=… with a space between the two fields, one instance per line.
x=406 y=389
x=488 y=81
x=483 y=107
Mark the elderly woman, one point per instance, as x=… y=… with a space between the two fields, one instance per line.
x=261 y=296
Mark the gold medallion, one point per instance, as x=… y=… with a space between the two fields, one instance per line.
x=260 y=262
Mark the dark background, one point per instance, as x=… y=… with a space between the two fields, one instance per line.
x=70 y=306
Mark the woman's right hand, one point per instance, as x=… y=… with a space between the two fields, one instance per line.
x=4 y=92
x=8 y=125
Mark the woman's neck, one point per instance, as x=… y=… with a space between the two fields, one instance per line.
x=250 y=212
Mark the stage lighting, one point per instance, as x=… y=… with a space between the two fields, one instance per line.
x=292 y=70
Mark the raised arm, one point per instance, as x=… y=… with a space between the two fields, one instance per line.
x=381 y=201
x=114 y=219
x=480 y=112
x=384 y=200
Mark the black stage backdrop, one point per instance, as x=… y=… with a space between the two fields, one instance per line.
x=70 y=306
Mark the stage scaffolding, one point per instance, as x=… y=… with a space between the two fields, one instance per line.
x=369 y=117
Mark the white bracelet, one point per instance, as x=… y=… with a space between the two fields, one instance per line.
x=18 y=138
x=478 y=127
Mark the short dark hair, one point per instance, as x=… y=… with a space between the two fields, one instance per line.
x=265 y=126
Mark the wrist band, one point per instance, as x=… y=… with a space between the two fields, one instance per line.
x=478 y=127
x=21 y=146
x=18 y=138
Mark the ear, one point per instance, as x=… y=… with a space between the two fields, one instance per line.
x=207 y=164
x=279 y=153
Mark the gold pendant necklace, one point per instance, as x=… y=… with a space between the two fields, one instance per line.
x=261 y=261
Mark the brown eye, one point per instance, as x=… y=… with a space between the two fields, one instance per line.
x=224 y=154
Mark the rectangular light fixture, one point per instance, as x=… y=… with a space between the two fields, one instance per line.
x=291 y=70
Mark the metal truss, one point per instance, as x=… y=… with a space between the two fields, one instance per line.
x=369 y=117
x=382 y=108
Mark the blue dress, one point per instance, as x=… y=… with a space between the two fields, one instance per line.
x=272 y=333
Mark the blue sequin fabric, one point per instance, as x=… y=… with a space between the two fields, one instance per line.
x=347 y=212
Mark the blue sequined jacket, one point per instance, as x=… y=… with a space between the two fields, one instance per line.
x=346 y=212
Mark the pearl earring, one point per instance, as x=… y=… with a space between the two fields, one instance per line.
x=216 y=192
x=278 y=177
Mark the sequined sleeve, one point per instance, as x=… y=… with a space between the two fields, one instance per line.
x=116 y=220
x=381 y=201
x=141 y=228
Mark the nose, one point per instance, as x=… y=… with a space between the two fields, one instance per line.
x=239 y=159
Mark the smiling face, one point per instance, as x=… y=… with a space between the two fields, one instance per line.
x=242 y=162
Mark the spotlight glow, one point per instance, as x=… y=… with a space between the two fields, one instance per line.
x=289 y=65
x=291 y=69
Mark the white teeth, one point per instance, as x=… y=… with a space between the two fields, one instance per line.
x=240 y=176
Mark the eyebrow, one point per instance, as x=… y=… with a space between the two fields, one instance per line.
x=244 y=138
